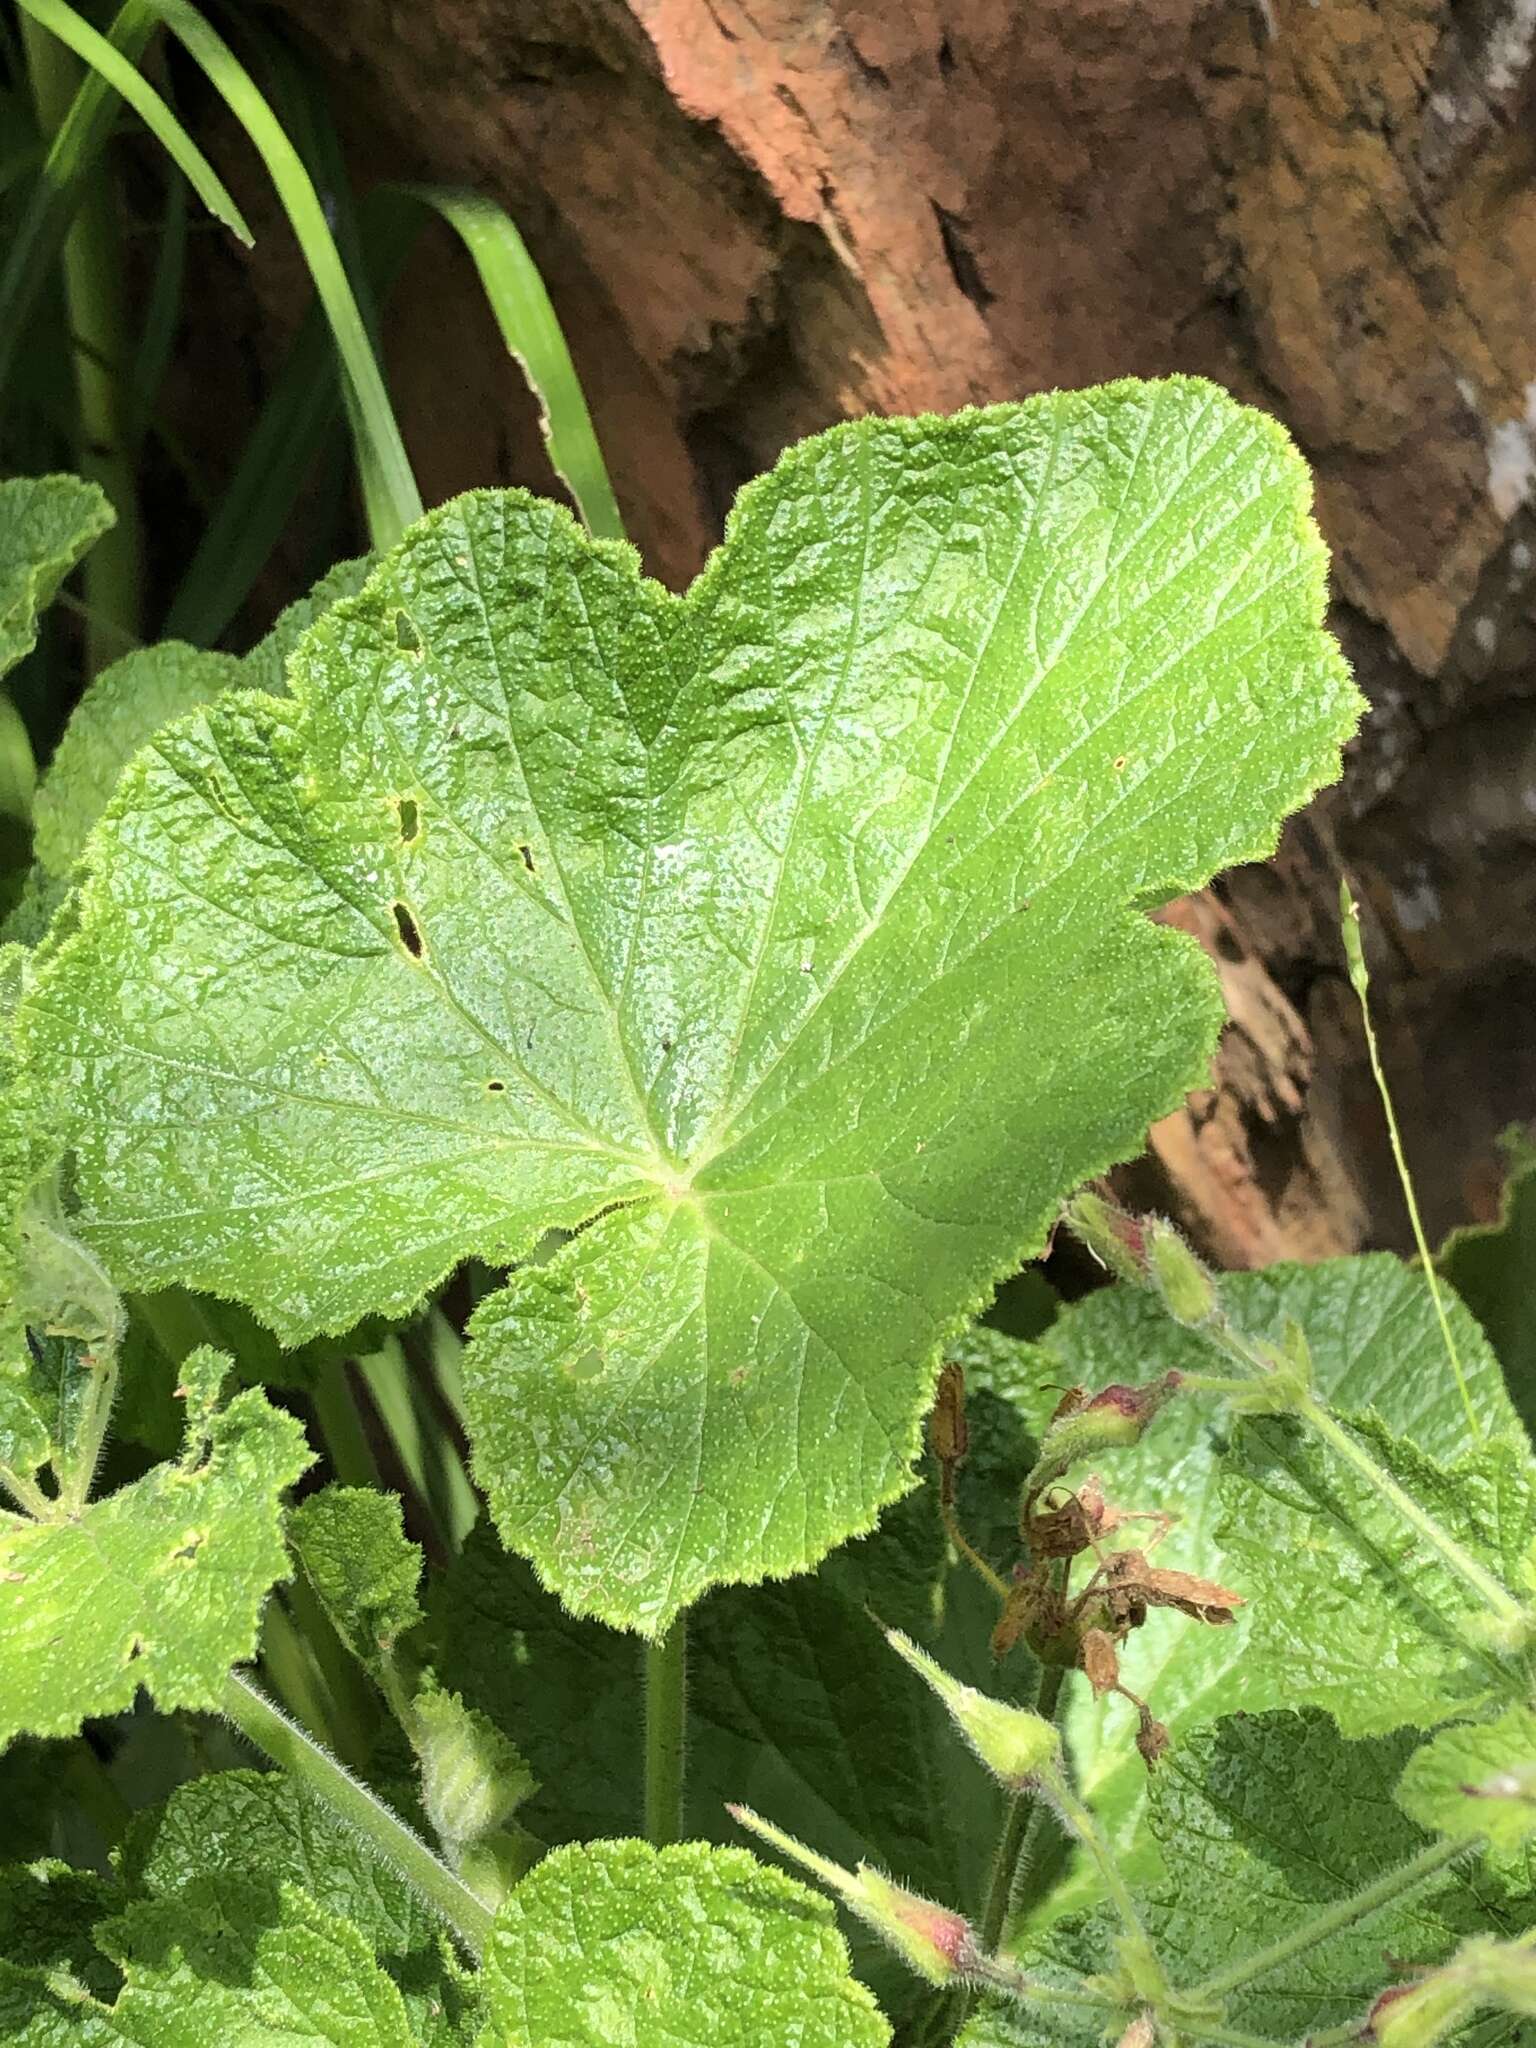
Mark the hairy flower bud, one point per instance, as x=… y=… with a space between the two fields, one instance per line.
x=1418 y=2015
x=1115 y=1237
x=1011 y=1741
x=1115 y=1418
x=936 y=1942
x=1187 y=1290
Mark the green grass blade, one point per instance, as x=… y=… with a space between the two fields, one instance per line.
x=392 y=499
x=299 y=421
x=516 y=295
x=94 y=49
x=76 y=145
x=157 y=333
x=1360 y=982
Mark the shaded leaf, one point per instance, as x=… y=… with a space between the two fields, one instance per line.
x=46 y=525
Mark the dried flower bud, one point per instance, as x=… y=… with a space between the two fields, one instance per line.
x=1101 y=1667
x=1130 y=1585
x=1152 y=1738
x=939 y=1944
x=1188 y=1292
x=1115 y=1237
x=1011 y=1741
x=1141 y=2033
x=947 y=1432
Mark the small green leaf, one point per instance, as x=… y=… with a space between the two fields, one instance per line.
x=1477 y=1780
x=788 y=935
x=122 y=708
x=473 y=1779
x=675 y=1948
x=160 y=1584
x=46 y=525
x=36 y=2013
x=308 y=1977
x=127 y=704
x=351 y=1542
x=48 y=1912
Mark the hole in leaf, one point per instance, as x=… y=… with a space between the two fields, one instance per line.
x=587 y=1364
x=495 y=1087
x=407 y=639
x=410 y=819
x=410 y=931
x=527 y=854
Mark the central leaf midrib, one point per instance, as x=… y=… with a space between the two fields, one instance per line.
x=721 y=1136
x=606 y=996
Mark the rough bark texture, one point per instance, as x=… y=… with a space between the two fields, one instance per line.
x=759 y=216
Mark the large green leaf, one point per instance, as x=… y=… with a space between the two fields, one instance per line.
x=160 y=1584
x=674 y=1948
x=46 y=525
x=786 y=936
x=1376 y=1345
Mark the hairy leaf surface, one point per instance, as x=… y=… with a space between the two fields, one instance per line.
x=675 y=1948
x=1266 y=1821
x=160 y=1584
x=305 y=1979
x=787 y=936
x=1320 y=1624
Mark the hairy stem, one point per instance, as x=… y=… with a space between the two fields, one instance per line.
x=666 y=1713
x=1333 y=1920
x=29 y=1496
x=1023 y=1894
x=384 y=1832
x=90 y=1435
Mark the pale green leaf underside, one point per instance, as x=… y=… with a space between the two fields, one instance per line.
x=160 y=1584
x=785 y=934
x=46 y=525
x=1362 y=1645
x=1477 y=1780
x=675 y=1948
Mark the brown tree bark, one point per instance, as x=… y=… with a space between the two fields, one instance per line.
x=759 y=216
